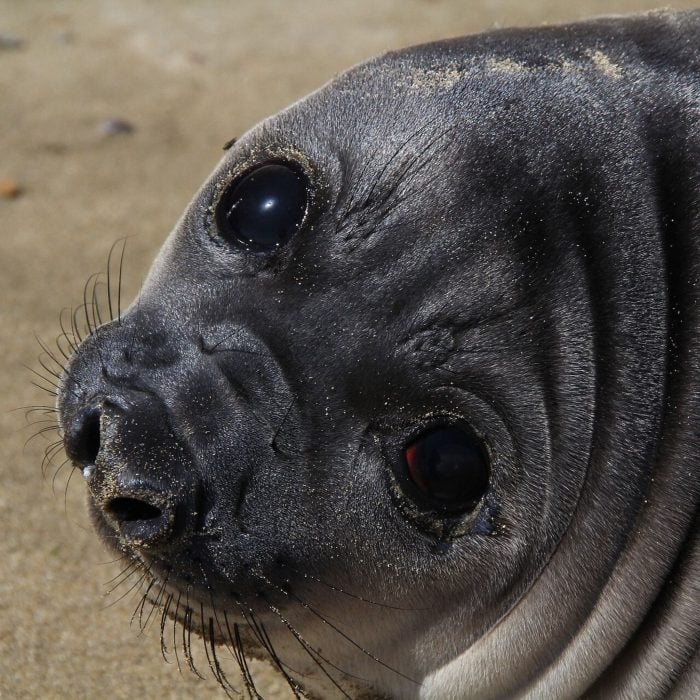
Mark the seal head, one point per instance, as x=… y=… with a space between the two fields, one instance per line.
x=409 y=400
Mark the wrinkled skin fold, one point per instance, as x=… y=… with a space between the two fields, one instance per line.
x=502 y=230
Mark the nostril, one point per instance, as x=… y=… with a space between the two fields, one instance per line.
x=130 y=509
x=83 y=441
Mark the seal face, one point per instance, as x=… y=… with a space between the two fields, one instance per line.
x=409 y=401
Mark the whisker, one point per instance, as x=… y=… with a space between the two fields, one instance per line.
x=96 y=303
x=236 y=652
x=163 y=619
x=75 y=326
x=344 y=592
x=50 y=372
x=90 y=327
x=50 y=422
x=66 y=356
x=42 y=431
x=214 y=664
x=51 y=392
x=212 y=659
x=187 y=636
x=138 y=612
x=155 y=604
x=119 y=558
x=218 y=670
x=49 y=453
x=353 y=205
x=65 y=492
x=250 y=684
x=267 y=644
x=109 y=278
x=122 y=576
x=264 y=640
x=91 y=284
x=175 y=619
x=43 y=378
x=70 y=339
x=314 y=654
x=336 y=629
x=349 y=639
x=119 y=284
x=414 y=165
x=55 y=476
x=34 y=409
x=394 y=156
x=136 y=584
x=223 y=679
x=205 y=640
x=49 y=352
x=122 y=557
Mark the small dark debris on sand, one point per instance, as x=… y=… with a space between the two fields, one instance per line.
x=10 y=41
x=115 y=125
x=9 y=188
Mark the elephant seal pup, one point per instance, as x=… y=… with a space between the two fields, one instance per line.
x=410 y=402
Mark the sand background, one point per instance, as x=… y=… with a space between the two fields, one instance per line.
x=188 y=76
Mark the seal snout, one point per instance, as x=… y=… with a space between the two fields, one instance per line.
x=140 y=475
x=82 y=437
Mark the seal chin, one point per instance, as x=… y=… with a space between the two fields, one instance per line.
x=194 y=612
x=188 y=589
x=185 y=567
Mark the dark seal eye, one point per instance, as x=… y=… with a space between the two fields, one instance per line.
x=262 y=210
x=449 y=466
